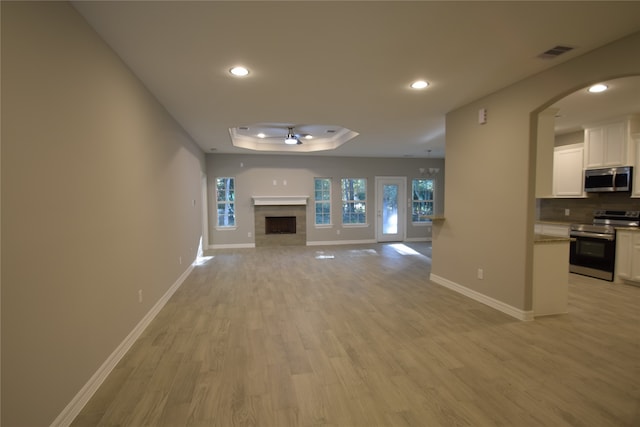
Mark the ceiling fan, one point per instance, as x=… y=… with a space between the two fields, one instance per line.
x=291 y=138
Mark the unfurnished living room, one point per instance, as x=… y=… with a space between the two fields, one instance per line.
x=350 y=213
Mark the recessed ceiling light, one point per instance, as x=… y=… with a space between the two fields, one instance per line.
x=261 y=135
x=308 y=137
x=419 y=84
x=239 y=71
x=598 y=88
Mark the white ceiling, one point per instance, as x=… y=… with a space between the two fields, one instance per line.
x=346 y=64
x=582 y=108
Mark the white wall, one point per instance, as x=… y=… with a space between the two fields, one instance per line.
x=98 y=184
x=255 y=176
x=490 y=175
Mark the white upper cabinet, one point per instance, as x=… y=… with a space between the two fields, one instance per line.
x=567 y=171
x=635 y=187
x=610 y=144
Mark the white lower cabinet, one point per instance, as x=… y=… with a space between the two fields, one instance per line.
x=547 y=229
x=627 y=256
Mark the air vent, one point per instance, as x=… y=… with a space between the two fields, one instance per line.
x=555 y=52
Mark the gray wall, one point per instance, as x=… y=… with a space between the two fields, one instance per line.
x=255 y=176
x=98 y=184
x=569 y=138
x=490 y=199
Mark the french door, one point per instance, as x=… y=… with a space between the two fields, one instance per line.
x=391 y=214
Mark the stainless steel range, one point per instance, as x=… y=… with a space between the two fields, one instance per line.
x=593 y=249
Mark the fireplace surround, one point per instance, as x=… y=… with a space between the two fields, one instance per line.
x=288 y=217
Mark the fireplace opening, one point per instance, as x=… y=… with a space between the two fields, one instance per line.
x=280 y=225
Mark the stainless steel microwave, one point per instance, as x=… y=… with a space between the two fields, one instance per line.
x=608 y=179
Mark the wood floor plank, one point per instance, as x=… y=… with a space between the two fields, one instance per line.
x=351 y=336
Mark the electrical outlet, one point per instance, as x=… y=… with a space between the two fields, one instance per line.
x=249 y=234
x=480 y=274
x=180 y=260
x=338 y=232
x=139 y=295
x=567 y=212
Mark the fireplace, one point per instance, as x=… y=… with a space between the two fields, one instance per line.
x=280 y=221
x=280 y=225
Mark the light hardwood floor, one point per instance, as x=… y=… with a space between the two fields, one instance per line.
x=358 y=336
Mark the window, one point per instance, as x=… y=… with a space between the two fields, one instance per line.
x=323 y=201
x=354 y=201
x=422 y=200
x=225 y=198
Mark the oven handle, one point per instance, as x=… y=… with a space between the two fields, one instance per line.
x=600 y=236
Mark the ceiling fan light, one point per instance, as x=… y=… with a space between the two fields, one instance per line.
x=291 y=140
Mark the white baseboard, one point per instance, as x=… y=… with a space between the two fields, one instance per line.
x=417 y=239
x=233 y=246
x=340 y=242
x=491 y=302
x=71 y=411
x=316 y=243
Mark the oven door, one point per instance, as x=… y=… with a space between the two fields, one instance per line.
x=593 y=254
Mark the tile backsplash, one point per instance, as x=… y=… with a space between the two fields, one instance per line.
x=581 y=210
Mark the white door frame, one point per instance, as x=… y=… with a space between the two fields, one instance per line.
x=401 y=181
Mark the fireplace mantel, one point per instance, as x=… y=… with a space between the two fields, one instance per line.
x=279 y=200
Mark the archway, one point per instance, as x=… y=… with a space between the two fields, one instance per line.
x=560 y=126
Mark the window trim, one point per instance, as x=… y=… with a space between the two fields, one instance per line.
x=426 y=222
x=330 y=201
x=227 y=202
x=365 y=201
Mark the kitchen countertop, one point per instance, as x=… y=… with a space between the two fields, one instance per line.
x=555 y=222
x=545 y=238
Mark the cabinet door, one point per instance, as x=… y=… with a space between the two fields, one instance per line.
x=635 y=189
x=624 y=248
x=555 y=230
x=568 y=172
x=635 y=258
x=594 y=155
x=615 y=146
